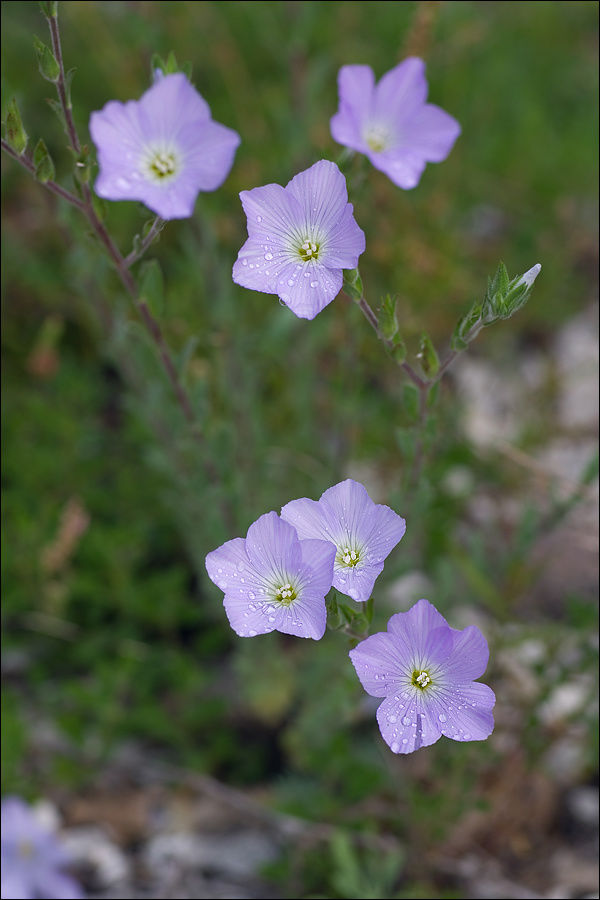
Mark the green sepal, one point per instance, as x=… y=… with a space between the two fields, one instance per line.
x=353 y=285
x=16 y=135
x=152 y=286
x=369 y=609
x=47 y=62
x=430 y=361
x=398 y=351
x=44 y=167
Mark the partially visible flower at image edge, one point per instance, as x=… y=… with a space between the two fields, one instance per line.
x=273 y=581
x=32 y=858
x=426 y=672
x=162 y=149
x=364 y=533
x=390 y=122
x=300 y=239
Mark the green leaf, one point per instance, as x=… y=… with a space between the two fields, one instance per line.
x=152 y=286
x=388 y=319
x=430 y=362
x=44 y=167
x=47 y=63
x=49 y=9
x=410 y=401
x=16 y=135
x=68 y=80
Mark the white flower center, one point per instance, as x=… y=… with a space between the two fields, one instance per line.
x=161 y=164
x=378 y=137
x=285 y=594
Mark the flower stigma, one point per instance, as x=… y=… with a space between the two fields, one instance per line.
x=421 y=679
x=348 y=557
x=309 y=250
x=285 y=594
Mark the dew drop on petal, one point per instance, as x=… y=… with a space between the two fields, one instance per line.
x=406 y=720
x=392 y=719
x=259 y=218
x=395 y=747
x=442 y=717
x=252 y=632
x=244 y=262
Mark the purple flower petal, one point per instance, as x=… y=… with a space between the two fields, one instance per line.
x=307 y=288
x=272 y=544
x=356 y=86
x=308 y=518
x=470 y=655
x=404 y=168
x=163 y=149
x=425 y=631
x=464 y=713
x=56 y=886
x=378 y=664
x=404 y=724
x=401 y=92
x=16 y=885
x=431 y=133
x=346 y=243
x=300 y=238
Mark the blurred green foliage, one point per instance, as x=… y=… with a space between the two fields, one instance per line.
x=116 y=634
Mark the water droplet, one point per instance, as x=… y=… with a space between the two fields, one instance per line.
x=259 y=218
x=406 y=720
x=290 y=282
x=405 y=740
x=467 y=735
x=313 y=284
x=442 y=717
x=244 y=262
x=392 y=719
x=395 y=747
x=252 y=632
x=219 y=571
x=268 y=256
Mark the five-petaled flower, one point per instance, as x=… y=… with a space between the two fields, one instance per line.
x=162 y=149
x=32 y=858
x=300 y=238
x=425 y=670
x=391 y=122
x=364 y=533
x=273 y=581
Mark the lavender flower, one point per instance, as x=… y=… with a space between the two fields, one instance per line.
x=364 y=533
x=391 y=122
x=32 y=858
x=425 y=670
x=300 y=238
x=162 y=149
x=273 y=581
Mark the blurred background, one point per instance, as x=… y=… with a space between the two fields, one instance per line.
x=177 y=759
